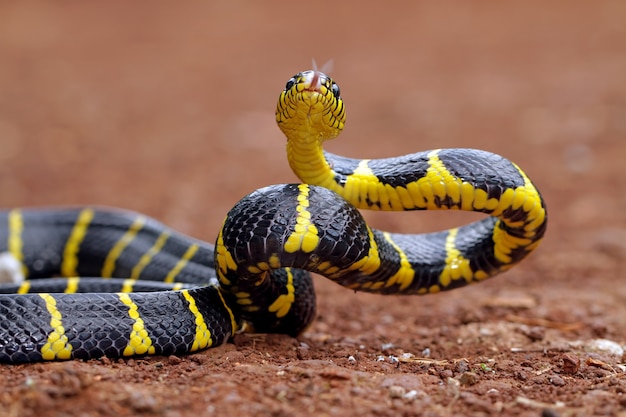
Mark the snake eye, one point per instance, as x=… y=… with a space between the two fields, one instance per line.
x=290 y=83
x=335 y=90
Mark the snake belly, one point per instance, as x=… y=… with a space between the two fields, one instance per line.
x=256 y=273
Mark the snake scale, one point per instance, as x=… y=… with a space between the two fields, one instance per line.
x=155 y=291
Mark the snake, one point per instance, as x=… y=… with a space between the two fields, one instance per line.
x=121 y=284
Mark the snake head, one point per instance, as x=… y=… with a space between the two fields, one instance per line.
x=310 y=106
x=313 y=81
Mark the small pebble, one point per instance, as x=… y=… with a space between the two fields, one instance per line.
x=534 y=333
x=549 y=412
x=446 y=373
x=411 y=395
x=600 y=345
x=468 y=379
x=556 y=380
x=386 y=346
x=174 y=360
x=461 y=366
x=10 y=269
x=396 y=391
x=571 y=363
x=143 y=402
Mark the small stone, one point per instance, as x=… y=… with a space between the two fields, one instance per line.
x=10 y=269
x=468 y=379
x=174 y=360
x=303 y=353
x=411 y=395
x=534 y=333
x=571 y=363
x=461 y=366
x=105 y=361
x=396 y=391
x=143 y=402
x=606 y=346
x=549 y=412
x=556 y=380
x=386 y=346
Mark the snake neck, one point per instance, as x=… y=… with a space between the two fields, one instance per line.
x=307 y=158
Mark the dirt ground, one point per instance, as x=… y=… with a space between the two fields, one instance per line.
x=169 y=110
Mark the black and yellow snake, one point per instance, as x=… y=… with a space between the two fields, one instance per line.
x=256 y=273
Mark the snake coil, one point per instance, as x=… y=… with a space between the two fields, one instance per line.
x=257 y=271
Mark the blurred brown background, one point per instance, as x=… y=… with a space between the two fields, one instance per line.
x=168 y=109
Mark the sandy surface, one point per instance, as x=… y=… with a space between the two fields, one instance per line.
x=168 y=110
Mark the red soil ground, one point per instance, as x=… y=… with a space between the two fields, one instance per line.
x=168 y=110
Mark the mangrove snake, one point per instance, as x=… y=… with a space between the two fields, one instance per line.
x=256 y=273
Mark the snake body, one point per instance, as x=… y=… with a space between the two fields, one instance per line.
x=257 y=271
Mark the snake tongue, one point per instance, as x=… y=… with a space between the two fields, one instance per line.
x=314 y=80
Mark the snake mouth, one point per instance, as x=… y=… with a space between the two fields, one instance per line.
x=313 y=80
